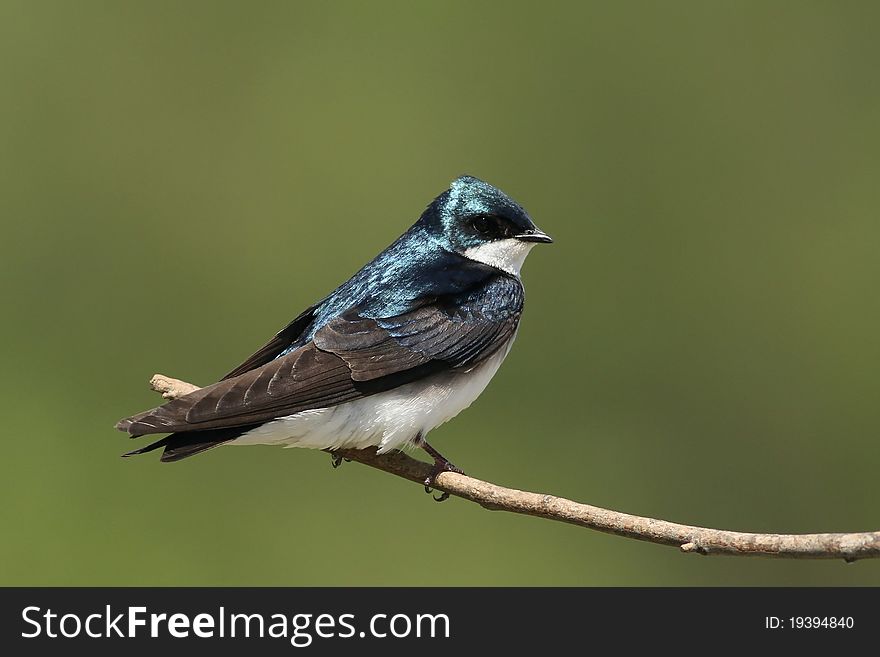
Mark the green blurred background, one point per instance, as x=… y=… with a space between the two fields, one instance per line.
x=178 y=180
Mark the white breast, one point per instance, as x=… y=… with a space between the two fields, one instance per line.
x=387 y=420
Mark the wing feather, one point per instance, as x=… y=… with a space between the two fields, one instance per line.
x=352 y=356
x=281 y=341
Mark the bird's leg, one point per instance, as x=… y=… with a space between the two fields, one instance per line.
x=336 y=460
x=441 y=464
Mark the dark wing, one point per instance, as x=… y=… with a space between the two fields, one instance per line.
x=282 y=340
x=351 y=357
x=447 y=274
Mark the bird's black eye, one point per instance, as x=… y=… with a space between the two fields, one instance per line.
x=485 y=225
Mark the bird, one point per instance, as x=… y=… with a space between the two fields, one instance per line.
x=404 y=345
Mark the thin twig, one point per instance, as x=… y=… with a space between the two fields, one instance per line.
x=694 y=540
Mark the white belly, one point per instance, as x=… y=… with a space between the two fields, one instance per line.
x=387 y=420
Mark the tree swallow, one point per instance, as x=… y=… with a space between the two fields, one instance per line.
x=404 y=345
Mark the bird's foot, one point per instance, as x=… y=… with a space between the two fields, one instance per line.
x=336 y=460
x=440 y=465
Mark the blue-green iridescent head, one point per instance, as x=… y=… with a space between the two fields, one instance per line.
x=482 y=223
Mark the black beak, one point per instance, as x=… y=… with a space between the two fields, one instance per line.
x=535 y=236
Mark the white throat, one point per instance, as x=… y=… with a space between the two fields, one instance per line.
x=507 y=254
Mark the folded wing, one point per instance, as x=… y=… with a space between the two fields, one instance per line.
x=352 y=356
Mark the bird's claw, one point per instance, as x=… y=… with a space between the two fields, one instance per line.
x=336 y=460
x=443 y=494
x=439 y=466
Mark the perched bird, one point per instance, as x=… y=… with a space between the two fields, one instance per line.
x=404 y=345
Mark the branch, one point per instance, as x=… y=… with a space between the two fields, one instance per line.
x=696 y=540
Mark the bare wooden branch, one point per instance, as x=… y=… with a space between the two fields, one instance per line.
x=692 y=540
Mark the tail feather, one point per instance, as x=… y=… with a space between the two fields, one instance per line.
x=184 y=444
x=148 y=448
